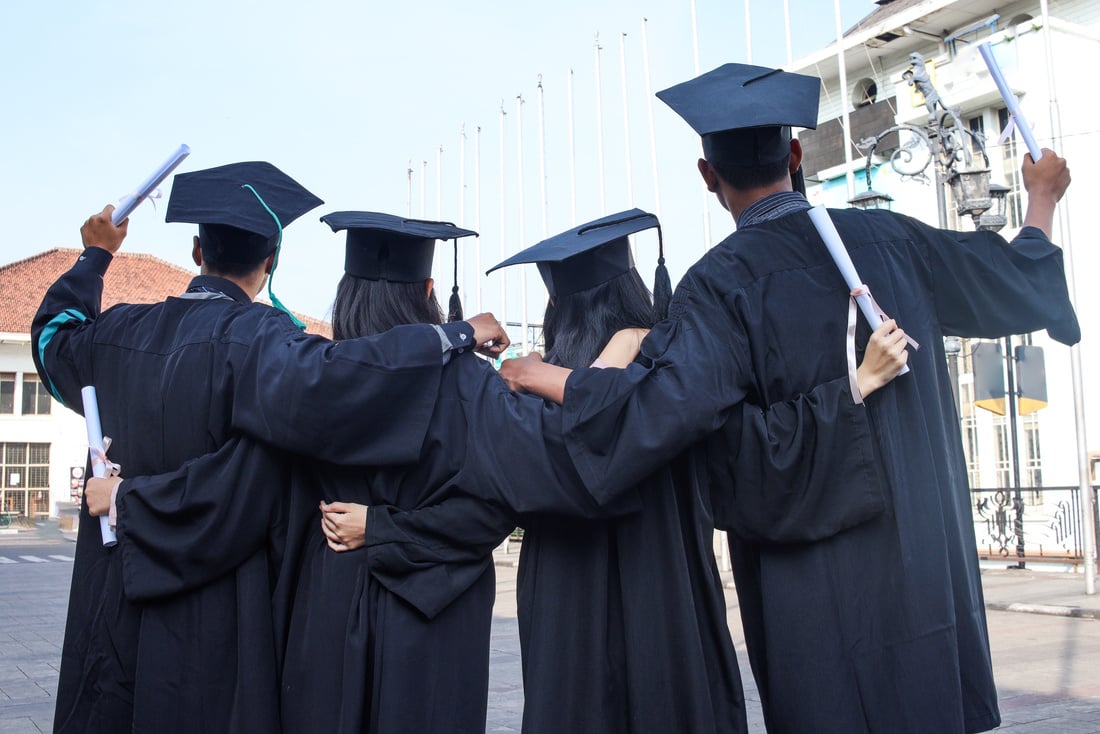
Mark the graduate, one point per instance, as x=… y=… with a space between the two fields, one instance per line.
x=622 y=621
x=368 y=650
x=162 y=641
x=872 y=622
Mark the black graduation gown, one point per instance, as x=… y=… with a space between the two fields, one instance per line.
x=651 y=651
x=394 y=637
x=373 y=627
x=878 y=626
x=174 y=380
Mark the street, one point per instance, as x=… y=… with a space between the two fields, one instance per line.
x=1045 y=665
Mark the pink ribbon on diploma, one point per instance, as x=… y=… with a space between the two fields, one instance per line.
x=862 y=290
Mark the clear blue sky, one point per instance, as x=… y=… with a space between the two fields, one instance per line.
x=343 y=95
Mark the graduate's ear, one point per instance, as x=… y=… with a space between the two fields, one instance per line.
x=428 y=285
x=710 y=176
x=196 y=251
x=268 y=263
x=796 y=155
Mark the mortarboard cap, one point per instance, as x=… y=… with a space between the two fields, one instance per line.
x=385 y=247
x=585 y=256
x=236 y=207
x=744 y=113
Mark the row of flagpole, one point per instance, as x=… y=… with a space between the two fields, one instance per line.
x=522 y=237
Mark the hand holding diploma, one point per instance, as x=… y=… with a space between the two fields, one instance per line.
x=100 y=465
x=130 y=202
x=861 y=294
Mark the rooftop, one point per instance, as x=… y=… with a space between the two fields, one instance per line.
x=133 y=278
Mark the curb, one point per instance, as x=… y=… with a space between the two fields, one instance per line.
x=1051 y=609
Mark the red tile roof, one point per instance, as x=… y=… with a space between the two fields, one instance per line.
x=133 y=278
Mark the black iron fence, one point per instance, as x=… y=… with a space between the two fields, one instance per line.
x=1053 y=522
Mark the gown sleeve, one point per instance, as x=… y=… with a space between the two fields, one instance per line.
x=621 y=425
x=182 y=530
x=987 y=288
x=800 y=471
x=61 y=333
x=430 y=556
x=517 y=457
x=327 y=400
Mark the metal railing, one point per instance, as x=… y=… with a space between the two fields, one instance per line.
x=1053 y=522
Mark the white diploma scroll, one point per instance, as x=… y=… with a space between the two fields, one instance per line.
x=95 y=447
x=819 y=215
x=130 y=202
x=1013 y=104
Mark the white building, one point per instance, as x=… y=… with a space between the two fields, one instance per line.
x=876 y=54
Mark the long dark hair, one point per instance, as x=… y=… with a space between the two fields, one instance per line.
x=365 y=307
x=578 y=326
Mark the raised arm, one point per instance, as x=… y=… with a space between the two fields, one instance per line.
x=62 y=328
x=984 y=287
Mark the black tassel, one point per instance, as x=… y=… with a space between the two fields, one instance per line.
x=454 y=307
x=662 y=284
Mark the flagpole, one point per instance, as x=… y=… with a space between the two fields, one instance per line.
x=423 y=175
x=748 y=33
x=787 y=29
x=706 y=194
x=522 y=238
x=542 y=156
x=1063 y=237
x=503 y=257
x=572 y=159
x=626 y=123
x=849 y=174
x=652 y=134
x=477 y=219
x=599 y=127
x=439 y=183
x=460 y=255
x=409 y=197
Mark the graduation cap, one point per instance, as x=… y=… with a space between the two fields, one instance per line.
x=592 y=254
x=241 y=210
x=385 y=247
x=745 y=113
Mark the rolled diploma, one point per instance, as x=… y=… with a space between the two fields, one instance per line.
x=130 y=202
x=1011 y=102
x=819 y=215
x=95 y=442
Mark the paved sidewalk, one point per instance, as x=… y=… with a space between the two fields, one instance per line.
x=1044 y=638
x=1045 y=659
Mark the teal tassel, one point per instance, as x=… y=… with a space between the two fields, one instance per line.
x=275 y=263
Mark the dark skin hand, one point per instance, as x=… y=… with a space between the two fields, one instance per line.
x=100 y=232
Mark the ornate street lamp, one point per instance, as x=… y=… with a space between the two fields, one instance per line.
x=871 y=199
x=944 y=140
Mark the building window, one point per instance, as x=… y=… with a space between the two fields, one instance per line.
x=1033 y=461
x=7 y=393
x=36 y=400
x=970 y=449
x=25 y=478
x=1004 y=462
